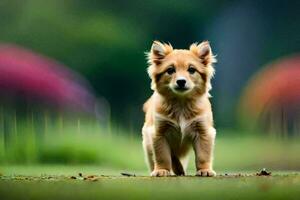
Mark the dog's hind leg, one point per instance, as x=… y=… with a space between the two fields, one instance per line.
x=185 y=161
x=177 y=166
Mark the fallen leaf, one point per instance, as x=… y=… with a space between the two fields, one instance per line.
x=263 y=172
x=127 y=174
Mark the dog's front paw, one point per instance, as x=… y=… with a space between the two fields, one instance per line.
x=206 y=172
x=160 y=172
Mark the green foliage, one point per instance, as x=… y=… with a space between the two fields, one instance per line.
x=79 y=142
x=69 y=141
x=94 y=149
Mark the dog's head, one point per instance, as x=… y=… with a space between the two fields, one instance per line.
x=180 y=72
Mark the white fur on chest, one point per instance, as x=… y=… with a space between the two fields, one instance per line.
x=182 y=124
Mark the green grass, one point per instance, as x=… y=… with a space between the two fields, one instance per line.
x=54 y=182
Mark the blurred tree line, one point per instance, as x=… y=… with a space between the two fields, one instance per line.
x=105 y=41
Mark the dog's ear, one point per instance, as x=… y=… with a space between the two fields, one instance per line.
x=203 y=51
x=158 y=52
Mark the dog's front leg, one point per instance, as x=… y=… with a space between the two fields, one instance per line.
x=203 y=146
x=162 y=157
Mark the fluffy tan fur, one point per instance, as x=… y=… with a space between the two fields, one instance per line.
x=178 y=118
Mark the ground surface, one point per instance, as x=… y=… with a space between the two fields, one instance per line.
x=59 y=182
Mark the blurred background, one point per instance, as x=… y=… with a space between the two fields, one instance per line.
x=73 y=79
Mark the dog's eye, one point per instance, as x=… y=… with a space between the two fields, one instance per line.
x=191 y=70
x=171 y=70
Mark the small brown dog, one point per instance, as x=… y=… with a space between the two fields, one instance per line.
x=178 y=114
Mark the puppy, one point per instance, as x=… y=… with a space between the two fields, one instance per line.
x=178 y=115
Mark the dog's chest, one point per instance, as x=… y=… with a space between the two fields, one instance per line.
x=182 y=128
x=179 y=128
x=183 y=125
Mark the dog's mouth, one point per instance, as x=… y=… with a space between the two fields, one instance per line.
x=181 y=89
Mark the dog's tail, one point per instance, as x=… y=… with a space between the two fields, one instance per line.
x=177 y=166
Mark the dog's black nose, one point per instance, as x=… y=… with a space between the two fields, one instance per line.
x=181 y=83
